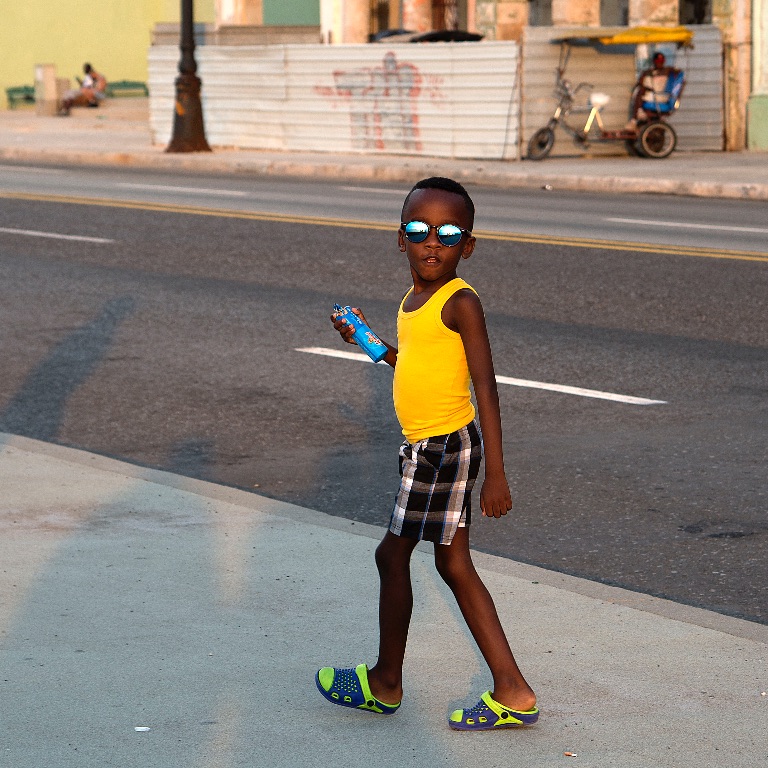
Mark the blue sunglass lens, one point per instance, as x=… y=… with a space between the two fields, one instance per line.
x=418 y=231
x=449 y=234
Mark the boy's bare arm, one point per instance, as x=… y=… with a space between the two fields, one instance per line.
x=463 y=313
x=347 y=333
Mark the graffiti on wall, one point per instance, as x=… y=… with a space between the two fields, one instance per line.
x=382 y=103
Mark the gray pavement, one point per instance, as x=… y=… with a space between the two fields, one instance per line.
x=133 y=598
x=118 y=134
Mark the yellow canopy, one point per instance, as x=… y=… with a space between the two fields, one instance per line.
x=638 y=35
x=629 y=35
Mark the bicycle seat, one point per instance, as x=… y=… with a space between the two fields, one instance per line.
x=599 y=100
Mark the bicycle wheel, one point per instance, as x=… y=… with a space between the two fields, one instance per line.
x=657 y=140
x=541 y=143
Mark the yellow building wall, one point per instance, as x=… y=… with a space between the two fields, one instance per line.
x=113 y=35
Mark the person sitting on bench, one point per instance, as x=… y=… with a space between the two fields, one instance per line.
x=91 y=91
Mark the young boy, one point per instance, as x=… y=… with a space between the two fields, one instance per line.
x=442 y=342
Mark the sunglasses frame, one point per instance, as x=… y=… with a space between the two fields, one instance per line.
x=437 y=228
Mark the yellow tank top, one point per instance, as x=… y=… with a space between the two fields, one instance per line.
x=431 y=384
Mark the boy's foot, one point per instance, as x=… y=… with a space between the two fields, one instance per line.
x=488 y=715
x=349 y=688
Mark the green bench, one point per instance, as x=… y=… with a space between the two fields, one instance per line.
x=127 y=88
x=20 y=94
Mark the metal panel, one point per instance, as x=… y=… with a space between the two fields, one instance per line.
x=439 y=100
x=445 y=100
x=612 y=73
x=243 y=93
x=698 y=122
x=163 y=67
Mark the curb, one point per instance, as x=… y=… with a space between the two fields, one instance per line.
x=404 y=170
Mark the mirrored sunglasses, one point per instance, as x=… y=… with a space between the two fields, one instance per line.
x=447 y=234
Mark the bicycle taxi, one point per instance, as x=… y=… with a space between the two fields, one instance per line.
x=646 y=135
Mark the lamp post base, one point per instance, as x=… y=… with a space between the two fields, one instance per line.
x=188 y=130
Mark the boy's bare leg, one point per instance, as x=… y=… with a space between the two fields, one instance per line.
x=454 y=564
x=393 y=559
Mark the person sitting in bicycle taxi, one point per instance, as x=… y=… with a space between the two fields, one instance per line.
x=655 y=92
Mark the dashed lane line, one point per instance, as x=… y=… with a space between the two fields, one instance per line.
x=193 y=190
x=690 y=225
x=55 y=235
x=377 y=190
x=32 y=169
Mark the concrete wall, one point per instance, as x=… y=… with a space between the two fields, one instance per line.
x=112 y=34
x=501 y=19
x=734 y=17
x=440 y=100
x=757 y=108
x=291 y=12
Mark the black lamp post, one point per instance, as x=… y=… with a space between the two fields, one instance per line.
x=188 y=129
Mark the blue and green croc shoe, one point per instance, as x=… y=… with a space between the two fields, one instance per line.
x=488 y=715
x=349 y=688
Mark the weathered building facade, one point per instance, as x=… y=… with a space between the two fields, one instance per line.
x=743 y=23
x=115 y=34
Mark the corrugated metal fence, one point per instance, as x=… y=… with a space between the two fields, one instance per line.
x=460 y=100
x=698 y=122
x=441 y=100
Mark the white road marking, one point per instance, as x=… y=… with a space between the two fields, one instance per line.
x=687 y=225
x=31 y=169
x=597 y=394
x=194 y=190
x=338 y=353
x=374 y=189
x=55 y=235
x=581 y=392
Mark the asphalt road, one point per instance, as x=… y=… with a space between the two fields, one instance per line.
x=659 y=220
x=170 y=339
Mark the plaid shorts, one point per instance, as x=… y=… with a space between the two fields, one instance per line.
x=435 y=495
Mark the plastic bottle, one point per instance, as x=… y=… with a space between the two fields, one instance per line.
x=364 y=337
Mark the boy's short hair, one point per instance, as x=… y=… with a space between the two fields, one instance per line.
x=446 y=185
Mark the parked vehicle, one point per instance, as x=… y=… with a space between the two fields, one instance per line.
x=435 y=36
x=651 y=136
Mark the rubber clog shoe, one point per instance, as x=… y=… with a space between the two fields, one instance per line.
x=488 y=715
x=349 y=688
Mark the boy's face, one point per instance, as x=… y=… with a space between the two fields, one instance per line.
x=430 y=260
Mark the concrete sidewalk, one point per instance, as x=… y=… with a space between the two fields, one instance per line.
x=133 y=598
x=118 y=134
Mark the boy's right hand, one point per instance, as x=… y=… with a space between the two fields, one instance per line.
x=345 y=329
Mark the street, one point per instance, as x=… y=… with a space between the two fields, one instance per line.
x=159 y=319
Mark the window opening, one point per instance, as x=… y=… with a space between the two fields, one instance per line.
x=614 y=13
x=445 y=14
x=540 y=13
x=695 y=12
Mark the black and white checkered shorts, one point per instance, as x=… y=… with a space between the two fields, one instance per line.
x=435 y=495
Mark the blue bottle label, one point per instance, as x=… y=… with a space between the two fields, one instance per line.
x=364 y=337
